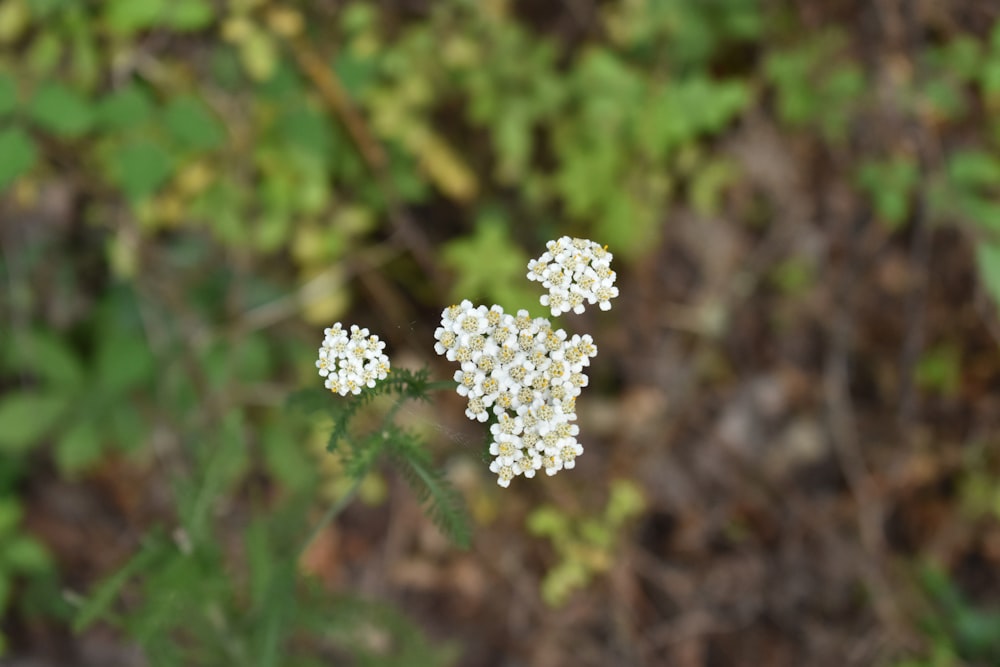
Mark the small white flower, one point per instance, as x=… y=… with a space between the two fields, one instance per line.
x=524 y=322
x=450 y=314
x=476 y=409
x=466 y=383
x=507 y=425
x=446 y=340
x=529 y=463
x=351 y=361
x=489 y=389
x=507 y=449
x=525 y=398
x=472 y=321
x=495 y=316
x=568 y=453
x=552 y=463
x=574 y=272
x=504 y=473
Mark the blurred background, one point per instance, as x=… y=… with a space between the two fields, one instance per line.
x=791 y=428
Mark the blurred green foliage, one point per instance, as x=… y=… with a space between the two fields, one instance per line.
x=200 y=127
x=195 y=615
x=586 y=546
x=958 y=632
x=20 y=554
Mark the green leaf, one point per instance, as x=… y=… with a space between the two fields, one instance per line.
x=25 y=555
x=307 y=130
x=61 y=110
x=223 y=460
x=944 y=98
x=962 y=55
x=792 y=276
x=127 y=429
x=47 y=357
x=626 y=501
x=192 y=126
x=44 y=55
x=252 y=358
x=5 y=588
x=139 y=168
x=259 y=55
x=261 y=562
x=123 y=362
x=990 y=77
x=17 y=155
x=978 y=635
x=125 y=17
x=356 y=72
x=548 y=522
x=42 y=8
x=995 y=39
x=940 y=369
x=444 y=504
x=8 y=94
x=972 y=168
x=15 y=17
x=86 y=64
x=709 y=183
x=106 y=591
x=79 y=447
x=489 y=265
x=27 y=416
x=224 y=68
x=988 y=259
x=311 y=401
x=10 y=516
x=125 y=108
x=189 y=15
x=890 y=184
x=284 y=456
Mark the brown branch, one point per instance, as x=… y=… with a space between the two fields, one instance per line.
x=334 y=95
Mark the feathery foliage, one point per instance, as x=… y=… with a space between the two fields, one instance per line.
x=402 y=448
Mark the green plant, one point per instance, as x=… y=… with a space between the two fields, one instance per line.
x=585 y=546
x=194 y=611
x=271 y=617
x=78 y=404
x=939 y=369
x=393 y=443
x=20 y=554
x=816 y=85
x=980 y=481
x=890 y=184
x=958 y=632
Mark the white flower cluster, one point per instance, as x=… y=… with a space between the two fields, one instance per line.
x=575 y=272
x=528 y=374
x=351 y=360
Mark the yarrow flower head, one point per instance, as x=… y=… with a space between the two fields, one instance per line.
x=351 y=359
x=524 y=372
x=575 y=272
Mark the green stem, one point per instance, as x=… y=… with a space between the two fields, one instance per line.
x=331 y=514
x=391 y=415
x=442 y=384
x=345 y=500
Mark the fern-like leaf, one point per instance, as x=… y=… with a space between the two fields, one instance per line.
x=443 y=503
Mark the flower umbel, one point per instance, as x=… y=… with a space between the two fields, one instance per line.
x=521 y=369
x=351 y=359
x=524 y=372
x=575 y=272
